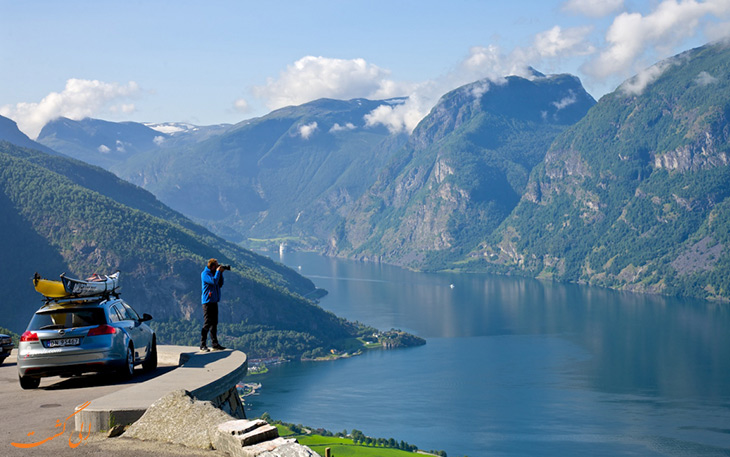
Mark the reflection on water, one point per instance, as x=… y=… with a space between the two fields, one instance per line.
x=524 y=366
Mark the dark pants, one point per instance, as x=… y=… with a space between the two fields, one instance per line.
x=210 y=322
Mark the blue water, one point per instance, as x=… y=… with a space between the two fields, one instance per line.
x=514 y=367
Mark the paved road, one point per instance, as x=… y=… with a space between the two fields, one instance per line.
x=43 y=412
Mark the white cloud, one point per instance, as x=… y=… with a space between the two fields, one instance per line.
x=704 y=79
x=489 y=62
x=633 y=35
x=404 y=116
x=338 y=128
x=479 y=63
x=566 y=101
x=310 y=78
x=305 y=131
x=104 y=149
x=557 y=41
x=158 y=140
x=593 y=8
x=241 y=105
x=479 y=89
x=80 y=98
x=397 y=118
x=637 y=84
x=120 y=146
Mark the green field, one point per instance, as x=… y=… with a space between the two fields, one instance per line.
x=341 y=447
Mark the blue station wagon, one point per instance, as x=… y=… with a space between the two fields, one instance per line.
x=79 y=335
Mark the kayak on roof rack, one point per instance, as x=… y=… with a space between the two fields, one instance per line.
x=49 y=288
x=70 y=287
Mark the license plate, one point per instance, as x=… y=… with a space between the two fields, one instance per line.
x=63 y=342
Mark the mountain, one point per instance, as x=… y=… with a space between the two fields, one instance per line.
x=9 y=132
x=60 y=215
x=462 y=171
x=106 y=144
x=290 y=175
x=636 y=195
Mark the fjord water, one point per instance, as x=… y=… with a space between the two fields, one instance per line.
x=513 y=367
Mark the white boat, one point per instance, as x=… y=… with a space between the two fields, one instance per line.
x=94 y=285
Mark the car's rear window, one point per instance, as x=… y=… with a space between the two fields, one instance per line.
x=70 y=318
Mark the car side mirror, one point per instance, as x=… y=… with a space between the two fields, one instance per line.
x=145 y=317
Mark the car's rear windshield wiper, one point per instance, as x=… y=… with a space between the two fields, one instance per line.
x=52 y=327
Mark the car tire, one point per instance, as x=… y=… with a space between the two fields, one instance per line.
x=150 y=363
x=127 y=371
x=28 y=382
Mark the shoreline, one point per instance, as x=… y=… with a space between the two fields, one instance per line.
x=248 y=388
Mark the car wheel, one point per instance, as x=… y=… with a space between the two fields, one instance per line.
x=150 y=363
x=27 y=382
x=127 y=371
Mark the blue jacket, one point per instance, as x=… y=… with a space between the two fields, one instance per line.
x=212 y=284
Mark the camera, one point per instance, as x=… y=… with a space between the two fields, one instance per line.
x=225 y=267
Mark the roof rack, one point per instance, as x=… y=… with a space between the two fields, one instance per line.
x=85 y=299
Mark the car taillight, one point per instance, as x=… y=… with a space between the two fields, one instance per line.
x=29 y=336
x=102 y=330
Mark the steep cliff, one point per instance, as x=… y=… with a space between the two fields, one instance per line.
x=635 y=195
x=462 y=171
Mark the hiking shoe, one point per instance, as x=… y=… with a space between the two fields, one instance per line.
x=218 y=347
x=204 y=349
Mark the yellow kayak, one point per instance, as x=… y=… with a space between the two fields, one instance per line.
x=48 y=288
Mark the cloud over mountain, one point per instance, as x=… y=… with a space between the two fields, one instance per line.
x=482 y=62
x=80 y=98
x=310 y=78
x=306 y=130
x=558 y=41
x=633 y=35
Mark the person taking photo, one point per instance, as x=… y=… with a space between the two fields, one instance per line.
x=212 y=281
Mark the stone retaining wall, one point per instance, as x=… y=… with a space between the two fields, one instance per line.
x=230 y=402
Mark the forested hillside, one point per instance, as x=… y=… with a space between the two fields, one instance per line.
x=636 y=195
x=52 y=223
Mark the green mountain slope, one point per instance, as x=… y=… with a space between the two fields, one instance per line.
x=462 y=171
x=292 y=173
x=53 y=224
x=635 y=195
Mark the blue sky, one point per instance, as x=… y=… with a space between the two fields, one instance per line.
x=226 y=61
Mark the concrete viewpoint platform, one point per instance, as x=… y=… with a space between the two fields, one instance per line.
x=206 y=375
